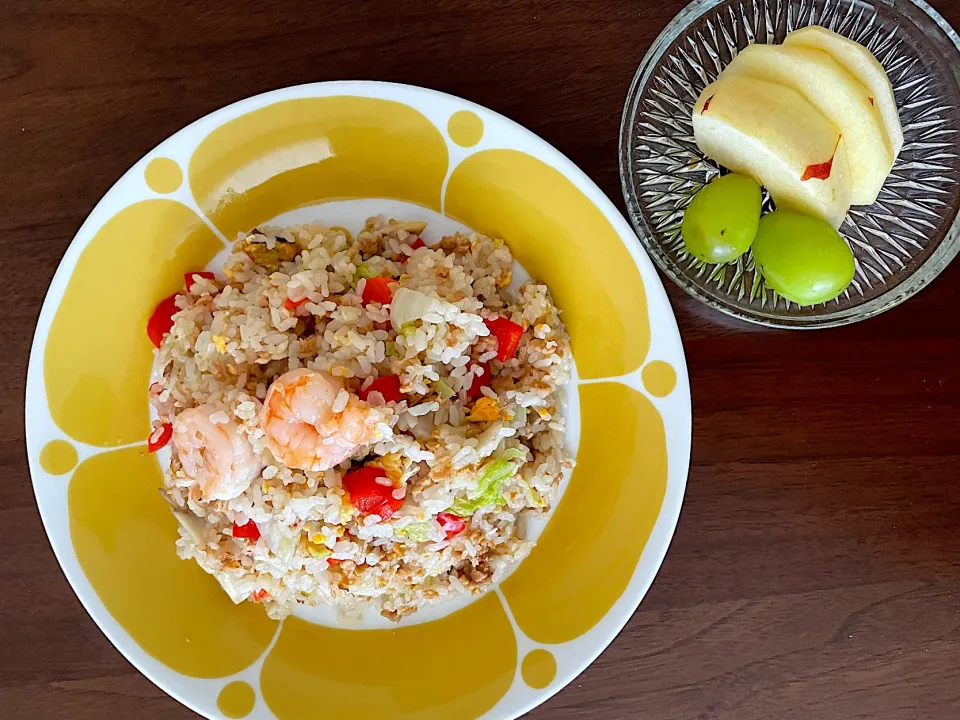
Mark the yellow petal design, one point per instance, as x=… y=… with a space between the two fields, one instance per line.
x=124 y=534
x=96 y=365
x=563 y=240
x=301 y=152
x=456 y=667
x=590 y=548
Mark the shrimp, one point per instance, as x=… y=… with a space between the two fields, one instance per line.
x=303 y=430
x=215 y=455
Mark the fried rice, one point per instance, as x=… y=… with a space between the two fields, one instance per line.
x=465 y=438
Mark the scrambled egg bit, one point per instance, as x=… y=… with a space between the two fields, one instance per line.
x=485 y=409
x=394 y=465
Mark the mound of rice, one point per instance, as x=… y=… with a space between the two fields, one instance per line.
x=294 y=298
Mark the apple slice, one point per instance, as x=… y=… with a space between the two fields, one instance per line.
x=774 y=134
x=839 y=96
x=860 y=63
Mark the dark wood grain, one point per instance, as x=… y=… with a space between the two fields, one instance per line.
x=815 y=573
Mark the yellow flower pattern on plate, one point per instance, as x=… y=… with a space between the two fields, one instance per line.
x=301 y=152
x=465 y=128
x=539 y=668
x=659 y=378
x=562 y=239
x=175 y=611
x=98 y=356
x=237 y=699
x=163 y=175
x=613 y=500
x=58 y=457
x=295 y=681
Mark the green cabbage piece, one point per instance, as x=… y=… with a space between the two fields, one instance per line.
x=534 y=498
x=408 y=329
x=285 y=548
x=318 y=552
x=442 y=389
x=493 y=476
x=417 y=531
x=364 y=271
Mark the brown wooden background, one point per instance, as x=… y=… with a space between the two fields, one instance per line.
x=815 y=572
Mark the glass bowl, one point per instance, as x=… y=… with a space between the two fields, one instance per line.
x=900 y=243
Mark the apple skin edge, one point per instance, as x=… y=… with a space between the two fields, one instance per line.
x=821 y=171
x=818 y=172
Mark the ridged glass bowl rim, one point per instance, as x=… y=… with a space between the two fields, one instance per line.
x=908 y=287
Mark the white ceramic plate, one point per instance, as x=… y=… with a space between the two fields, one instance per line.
x=332 y=152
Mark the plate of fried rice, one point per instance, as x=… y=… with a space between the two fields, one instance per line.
x=356 y=371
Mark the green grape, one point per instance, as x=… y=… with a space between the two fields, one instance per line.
x=722 y=219
x=803 y=258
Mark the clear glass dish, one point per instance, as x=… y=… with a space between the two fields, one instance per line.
x=900 y=243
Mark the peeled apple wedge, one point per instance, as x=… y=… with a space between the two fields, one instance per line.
x=860 y=63
x=844 y=100
x=775 y=135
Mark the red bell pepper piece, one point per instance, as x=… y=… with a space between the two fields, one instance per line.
x=415 y=245
x=508 y=335
x=188 y=278
x=291 y=305
x=480 y=381
x=388 y=386
x=377 y=289
x=159 y=437
x=369 y=496
x=451 y=524
x=161 y=321
x=249 y=531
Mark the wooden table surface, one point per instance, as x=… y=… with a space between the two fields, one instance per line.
x=815 y=572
